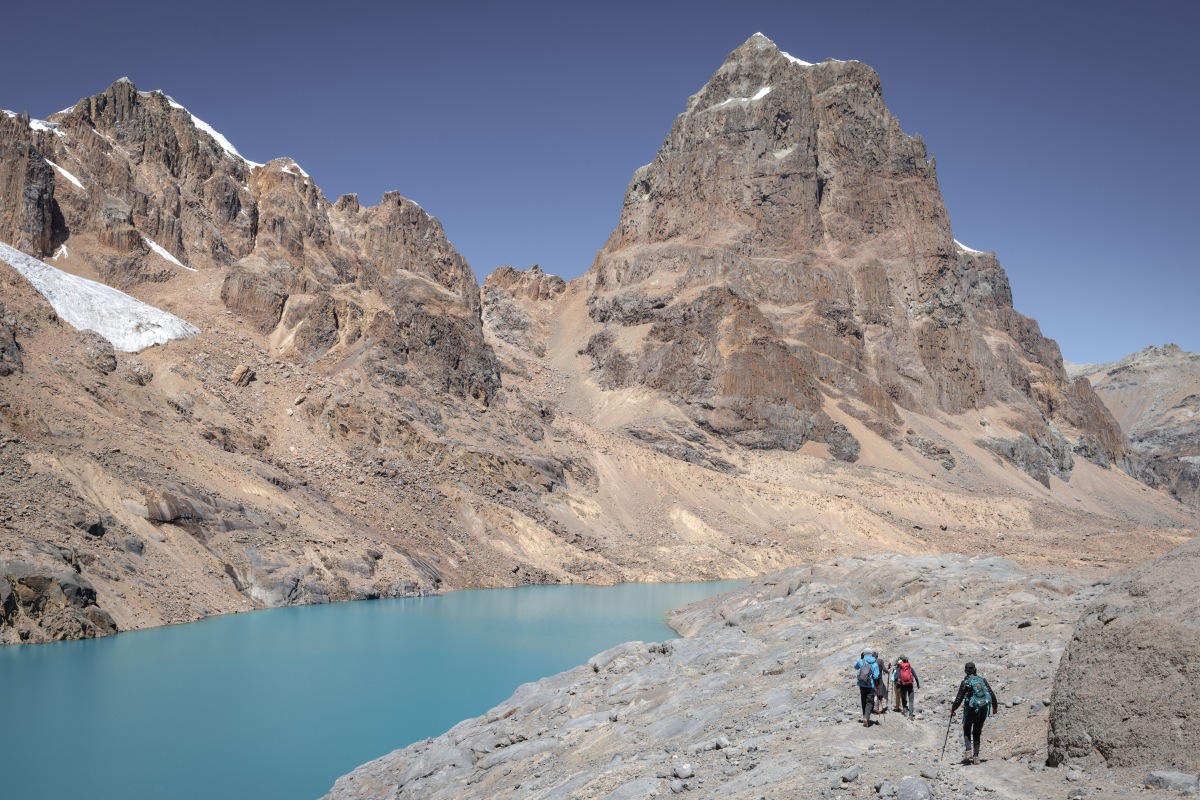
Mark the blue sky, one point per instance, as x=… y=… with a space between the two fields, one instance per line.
x=1065 y=133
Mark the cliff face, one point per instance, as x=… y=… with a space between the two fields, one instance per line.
x=788 y=248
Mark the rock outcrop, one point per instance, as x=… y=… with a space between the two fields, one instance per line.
x=47 y=603
x=788 y=248
x=1155 y=396
x=27 y=207
x=1123 y=690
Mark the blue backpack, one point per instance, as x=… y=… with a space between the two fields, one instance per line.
x=979 y=699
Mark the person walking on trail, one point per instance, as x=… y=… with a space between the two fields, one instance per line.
x=867 y=667
x=904 y=681
x=895 y=686
x=980 y=701
x=881 y=686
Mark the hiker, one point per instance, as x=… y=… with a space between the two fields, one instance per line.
x=868 y=674
x=895 y=687
x=881 y=686
x=980 y=701
x=904 y=681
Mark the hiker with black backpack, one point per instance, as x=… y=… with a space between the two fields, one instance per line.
x=980 y=701
x=868 y=673
x=904 y=681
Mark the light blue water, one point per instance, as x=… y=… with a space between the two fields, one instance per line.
x=279 y=703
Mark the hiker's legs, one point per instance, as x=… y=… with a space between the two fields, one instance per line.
x=868 y=702
x=972 y=730
x=906 y=698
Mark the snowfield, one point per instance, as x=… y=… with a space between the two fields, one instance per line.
x=128 y=323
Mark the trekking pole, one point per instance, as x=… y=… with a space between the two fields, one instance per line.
x=947 y=740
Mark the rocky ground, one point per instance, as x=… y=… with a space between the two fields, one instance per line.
x=758 y=700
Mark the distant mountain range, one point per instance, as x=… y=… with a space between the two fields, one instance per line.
x=1155 y=396
x=780 y=354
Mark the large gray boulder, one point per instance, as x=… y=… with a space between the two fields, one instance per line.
x=1125 y=690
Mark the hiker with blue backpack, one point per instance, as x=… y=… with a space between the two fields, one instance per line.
x=980 y=701
x=868 y=670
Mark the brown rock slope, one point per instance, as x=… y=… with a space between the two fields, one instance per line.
x=787 y=261
x=1123 y=691
x=347 y=426
x=1155 y=396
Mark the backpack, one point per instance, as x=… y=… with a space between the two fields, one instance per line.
x=906 y=676
x=866 y=673
x=980 y=699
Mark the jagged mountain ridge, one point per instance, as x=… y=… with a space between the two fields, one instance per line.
x=347 y=425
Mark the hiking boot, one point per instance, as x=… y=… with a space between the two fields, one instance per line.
x=975 y=758
x=967 y=756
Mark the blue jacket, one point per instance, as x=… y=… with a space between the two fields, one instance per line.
x=874 y=671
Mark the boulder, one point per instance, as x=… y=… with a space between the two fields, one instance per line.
x=1124 y=689
x=1172 y=781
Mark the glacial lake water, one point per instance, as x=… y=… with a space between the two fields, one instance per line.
x=280 y=703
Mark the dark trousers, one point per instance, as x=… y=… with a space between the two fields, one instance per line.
x=906 y=696
x=868 y=701
x=972 y=728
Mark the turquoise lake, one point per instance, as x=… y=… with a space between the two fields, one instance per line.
x=280 y=703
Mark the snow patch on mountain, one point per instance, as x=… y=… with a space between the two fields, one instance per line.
x=221 y=141
x=164 y=253
x=759 y=95
x=964 y=248
x=65 y=174
x=37 y=124
x=128 y=323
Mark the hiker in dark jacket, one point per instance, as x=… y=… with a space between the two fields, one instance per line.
x=904 y=680
x=980 y=699
x=867 y=668
x=881 y=686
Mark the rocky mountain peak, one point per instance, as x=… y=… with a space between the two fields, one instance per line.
x=790 y=240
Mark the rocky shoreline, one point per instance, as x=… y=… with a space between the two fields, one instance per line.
x=758 y=699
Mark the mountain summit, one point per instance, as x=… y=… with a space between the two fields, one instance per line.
x=788 y=256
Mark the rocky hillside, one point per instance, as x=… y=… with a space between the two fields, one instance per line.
x=781 y=355
x=1155 y=396
x=759 y=699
